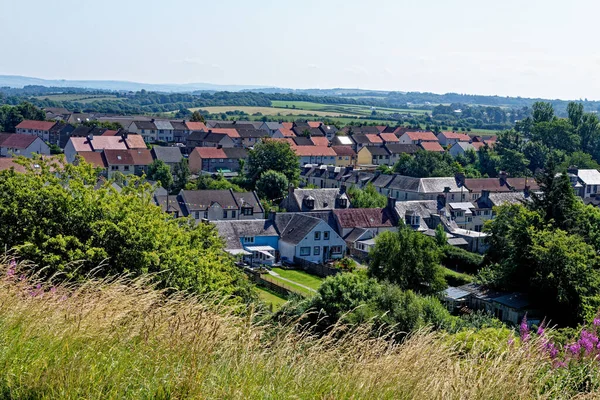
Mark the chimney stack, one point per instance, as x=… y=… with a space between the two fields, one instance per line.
x=391 y=203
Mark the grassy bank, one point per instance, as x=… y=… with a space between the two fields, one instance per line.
x=122 y=339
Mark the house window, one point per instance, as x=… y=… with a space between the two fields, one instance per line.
x=205 y=214
x=248 y=239
x=220 y=160
x=474 y=196
x=317 y=251
x=224 y=214
x=305 y=251
x=114 y=168
x=317 y=235
x=452 y=197
x=197 y=215
x=326 y=235
x=126 y=168
x=486 y=212
x=336 y=249
x=233 y=213
x=469 y=219
x=589 y=189
x=247 y=210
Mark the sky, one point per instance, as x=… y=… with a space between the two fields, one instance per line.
x=531 y=48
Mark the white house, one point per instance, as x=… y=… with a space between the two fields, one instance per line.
x=308 y=238
x=460 y=148
x=20 y=144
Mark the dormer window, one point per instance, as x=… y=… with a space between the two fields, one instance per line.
x=247 y=210
x=309 y=202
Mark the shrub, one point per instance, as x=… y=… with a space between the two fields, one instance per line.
x=461 y=260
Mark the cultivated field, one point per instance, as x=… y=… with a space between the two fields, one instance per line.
x=270 y=111
x=80 y=98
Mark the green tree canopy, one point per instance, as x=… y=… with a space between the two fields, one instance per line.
x=54 y=217
x=367 y=197
x=161 y=172
x=272 y=185
x=409 y=259
x=272 y=155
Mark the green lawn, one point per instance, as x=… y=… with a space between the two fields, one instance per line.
x=303 y=278
x=288 y=285
x=270 y=298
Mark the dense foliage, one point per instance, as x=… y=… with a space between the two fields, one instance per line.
x=271 y=155
x=272 y=185
x=367 y=197
x=11 y=116
x=549 y=249
x=54 y=217
x=409 y=259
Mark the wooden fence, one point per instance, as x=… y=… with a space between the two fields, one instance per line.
x=321 y=270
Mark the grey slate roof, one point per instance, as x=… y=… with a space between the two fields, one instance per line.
x=200 y=200
x=498 y=199
x=325 y=199
x=174 y=203
x=235 y=152
x=303 y=141
x=422 y=208
x=231 y=231
x=357 y=234
x=250 y=132
x=437 y=185
x=293 y=230
x=164 y=125
x=179 y=125
x=169 y=155
x=248 y=199
x=145 y=125
x=406 y=183
x=378 y=151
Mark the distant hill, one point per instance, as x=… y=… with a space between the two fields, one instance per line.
x=15 y=81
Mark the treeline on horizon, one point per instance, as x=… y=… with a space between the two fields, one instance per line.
x=147 y=101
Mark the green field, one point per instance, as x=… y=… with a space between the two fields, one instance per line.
x=352 y=109
x=80 y=98
x=270 y=111
x=270 y=298
x=303 y=278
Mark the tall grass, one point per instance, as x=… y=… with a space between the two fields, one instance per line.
x=123 y=339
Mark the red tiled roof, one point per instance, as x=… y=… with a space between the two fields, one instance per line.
x=287 y=132
x=344 y=150
x=373 y=138
x=94 y=158
x=196 y=126
x=364 y=218
x=232 y=133
x=287 y=125
x=286 y=140
x=381 y=128
x=491 y=184
x=314 y=124
x=118 y=157
x=458 y=136
x=36 y=125
x=98 y=143
x=478 y=145
x=389 y=137
x=520 y=183
x=432 y=146
x=491 y=139
x=9 y=163
x=136 y=142
x=424 y=136
x=110 y=133
x=314 y=151
x=16 y=140
x=320 y=140
x=210 y=152
x=141 y=156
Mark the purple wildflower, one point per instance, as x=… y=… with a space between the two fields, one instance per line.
x=551 y=349
x=53 y=289
x=588 y=341
x=524 y=329
x=511 y=341
x=574 y=348
x=596 y=321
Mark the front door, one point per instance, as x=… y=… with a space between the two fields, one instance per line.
x=325 y=253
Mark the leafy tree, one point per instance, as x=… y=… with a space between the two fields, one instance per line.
x=272 y=155
x=205 y=182
x=197 y=117
x=272 y=185
x=54 y=217
x=440 y=236
x=160 y=172
x=103 y=124
x=542 y=112
x=182 y=173
x=367 y=197
x=514 y=163
x=409 y=259
x=557 y=203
